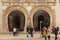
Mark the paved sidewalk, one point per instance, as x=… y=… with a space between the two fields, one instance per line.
x=24 y=37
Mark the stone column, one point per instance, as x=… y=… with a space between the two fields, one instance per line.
x=25 y=24
x=1 y=13
x=57 y=11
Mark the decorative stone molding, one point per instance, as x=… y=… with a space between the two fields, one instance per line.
x=47 y=9
x=28 y=2
x=6 y=13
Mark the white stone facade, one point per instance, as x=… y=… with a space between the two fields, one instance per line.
x=29 y=10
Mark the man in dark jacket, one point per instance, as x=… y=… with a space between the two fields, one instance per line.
x=56 y=33
x=31 y=32
x=27 y=29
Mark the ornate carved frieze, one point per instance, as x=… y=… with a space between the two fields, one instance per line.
x=28 y=2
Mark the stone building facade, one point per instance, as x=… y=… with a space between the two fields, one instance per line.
x=31 y=12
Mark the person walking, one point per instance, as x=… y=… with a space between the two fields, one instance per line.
x=49 y=33
x=45 y=32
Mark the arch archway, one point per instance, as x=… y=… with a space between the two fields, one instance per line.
x=8 y=11
x=40 y=19
x=48 y=10
x=16 y=19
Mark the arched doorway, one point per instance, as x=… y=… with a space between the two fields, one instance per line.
x=41 y=18
x=16 y=19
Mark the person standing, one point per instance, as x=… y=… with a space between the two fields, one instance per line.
x=49 y=33
x=45 y=32
x=57 y=28
x=31 y=31
x=14 y=31
x=56 y=33
x=27 y=30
